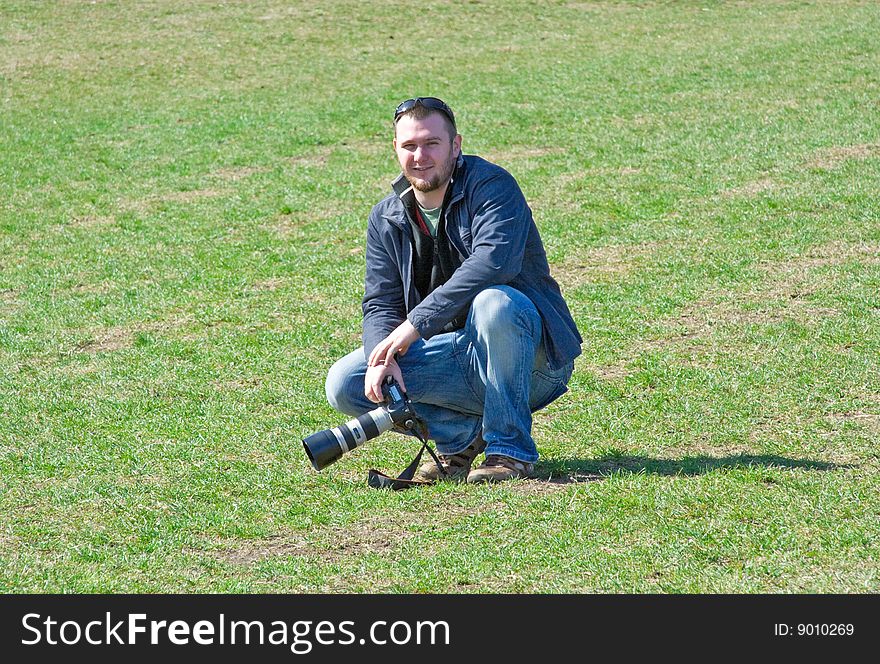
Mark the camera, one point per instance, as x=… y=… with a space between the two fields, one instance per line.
x=328 y=446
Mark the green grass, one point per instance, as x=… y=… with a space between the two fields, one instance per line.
x=185 y=189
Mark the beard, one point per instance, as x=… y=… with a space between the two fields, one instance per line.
x=440 y=177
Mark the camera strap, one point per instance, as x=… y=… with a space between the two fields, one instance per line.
x=379 y=480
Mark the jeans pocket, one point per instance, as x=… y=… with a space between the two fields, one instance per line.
x=548 y=385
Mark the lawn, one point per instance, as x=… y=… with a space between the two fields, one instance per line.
x=185 y=187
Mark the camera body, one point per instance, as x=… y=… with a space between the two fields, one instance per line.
x=328 y=446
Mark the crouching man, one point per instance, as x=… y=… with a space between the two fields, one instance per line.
x=459 y=305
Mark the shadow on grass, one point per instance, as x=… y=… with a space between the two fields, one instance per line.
x=565 y=471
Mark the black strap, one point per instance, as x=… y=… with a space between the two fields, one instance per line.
x=379 y=480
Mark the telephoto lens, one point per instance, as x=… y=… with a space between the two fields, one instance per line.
x=328 y=446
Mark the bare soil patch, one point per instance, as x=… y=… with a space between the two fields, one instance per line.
x=751 y=188
x=600 y=263
x=871 y=420
x=188 y=196
x=377 y=534
x=92 y=288
x=92 y=221
x=290 y=225
x=796 y=279
x=584 y=175
x=317 y=158
x=518 y=153
x=831 y=158
x=598 y=6
x=786 y=292
x=108 y=340
x=270 y=284
x=122 y=336
x=144 y=205
x=237 y=384
x=10 y=295
x=610 y=371
x=234 y=173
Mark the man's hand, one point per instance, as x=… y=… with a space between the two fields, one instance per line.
x=376 y=376
x=396 y=343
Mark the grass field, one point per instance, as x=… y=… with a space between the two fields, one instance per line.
x=185 y=188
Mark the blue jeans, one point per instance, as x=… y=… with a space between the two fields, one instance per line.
x=489 y=376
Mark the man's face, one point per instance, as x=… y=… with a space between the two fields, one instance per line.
x=425 y=152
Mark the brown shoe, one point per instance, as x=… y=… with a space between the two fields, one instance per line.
x=497 y=468
x=456 y=466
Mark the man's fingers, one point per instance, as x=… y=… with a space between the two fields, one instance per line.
x=379 y=351
x=381 y=354
x=372 y=359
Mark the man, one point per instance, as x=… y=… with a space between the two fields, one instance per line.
x=459 y=305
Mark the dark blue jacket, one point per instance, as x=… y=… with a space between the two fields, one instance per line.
x=490 y=225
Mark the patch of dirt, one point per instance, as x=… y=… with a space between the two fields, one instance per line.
x=637 y=120
x=538 y=487
x=597 y=7
x=107 y=341
x=122 y=336
x=8 y=542
x=699 y=320
x=101 y=288
x=374 y=534
x=785 y=293
x=234 y=173
x=318 y=158
x=91 y=221
x=289 y=225
x=514 y=154
x=250 y=551
x=188 y=196
x=144 y=205
x=10 y=295
x=751 y=188
x=797 y=278
x=600 y=263
x=831 y=158
x=270 y=284
x=610 y=372
x=583 y=175
x=829 y=254
x=552 y=484
x=21 y=66
x=237 y=384
x=871 y=420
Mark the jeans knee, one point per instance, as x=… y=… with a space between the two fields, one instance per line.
x=337 y=387
x=503 y=308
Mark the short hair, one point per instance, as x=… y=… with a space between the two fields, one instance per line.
x=420 y=112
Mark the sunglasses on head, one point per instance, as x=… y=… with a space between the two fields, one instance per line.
x=428 y=102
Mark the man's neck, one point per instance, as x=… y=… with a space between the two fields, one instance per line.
x=431 y=199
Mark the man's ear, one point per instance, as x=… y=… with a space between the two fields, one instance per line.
x=456 y=142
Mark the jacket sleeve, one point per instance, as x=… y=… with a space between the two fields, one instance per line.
x=383 y=304
x=500 y=222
